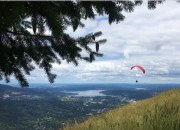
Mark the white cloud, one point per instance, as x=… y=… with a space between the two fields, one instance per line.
x=146 y=37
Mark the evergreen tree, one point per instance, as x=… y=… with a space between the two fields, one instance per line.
x=20 y=48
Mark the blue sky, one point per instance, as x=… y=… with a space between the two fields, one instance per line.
x=150 y=38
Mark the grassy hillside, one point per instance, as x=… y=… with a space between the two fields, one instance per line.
x=158 y=113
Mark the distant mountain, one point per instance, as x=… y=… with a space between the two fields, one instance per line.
x=6 y=89
x=161 y=112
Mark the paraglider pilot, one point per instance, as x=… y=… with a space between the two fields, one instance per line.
x=140 y=67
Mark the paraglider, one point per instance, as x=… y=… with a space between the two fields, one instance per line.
x=139 y=67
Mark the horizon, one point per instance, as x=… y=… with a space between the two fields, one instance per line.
x=54 y=85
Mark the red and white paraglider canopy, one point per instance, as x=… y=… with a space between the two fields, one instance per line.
x=140 y=67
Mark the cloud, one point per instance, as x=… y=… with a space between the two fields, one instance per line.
x=146 y=37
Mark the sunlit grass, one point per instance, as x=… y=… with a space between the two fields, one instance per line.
x=158 y=113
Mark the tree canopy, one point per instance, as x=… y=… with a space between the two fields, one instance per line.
x=20 y=48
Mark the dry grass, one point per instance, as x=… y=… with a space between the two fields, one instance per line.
x=158 y=113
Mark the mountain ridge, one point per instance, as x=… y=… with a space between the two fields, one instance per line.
x=158 y=113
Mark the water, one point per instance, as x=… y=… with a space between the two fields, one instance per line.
x=88 y=93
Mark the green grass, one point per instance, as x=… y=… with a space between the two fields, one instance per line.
x=158 y=113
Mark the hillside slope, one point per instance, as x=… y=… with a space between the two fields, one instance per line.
x=158 y=113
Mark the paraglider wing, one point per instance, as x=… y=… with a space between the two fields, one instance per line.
x=140 y=67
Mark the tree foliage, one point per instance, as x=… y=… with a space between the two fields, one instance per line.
x=20 y=48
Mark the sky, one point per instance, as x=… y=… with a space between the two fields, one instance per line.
x=150 y=38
